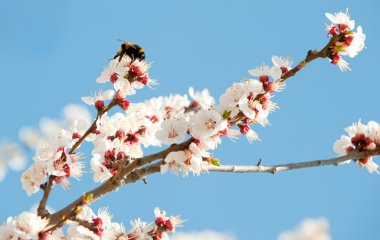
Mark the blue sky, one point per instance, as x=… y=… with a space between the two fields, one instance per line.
x=52 y=51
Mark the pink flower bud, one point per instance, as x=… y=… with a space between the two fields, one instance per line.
x=335 y=58
x=264 y=79
x=160 y=221
x=144 y=80
x=124 y=104
x=244 y=129
x=76 y=136
x=333 y=31
x=364 y=161
x=169 y=225
x=114 y=77
x=284 y=70
x=348 y=40
x=99 y=105
x=342 y=27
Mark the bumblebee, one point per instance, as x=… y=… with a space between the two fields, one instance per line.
x=134 y=51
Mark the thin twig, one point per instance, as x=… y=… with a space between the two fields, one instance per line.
x=292 y=166
x=311 y=55
x=41 y=210
x=103 y=189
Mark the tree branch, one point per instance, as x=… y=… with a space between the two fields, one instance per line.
x=311 y=56
x=291 y=166
x=141 y=173
x=41 y=210
x=47 y=187
x=106 y=187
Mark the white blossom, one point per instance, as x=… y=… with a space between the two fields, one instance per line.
x=174 y=160
x=175 y=221
x=101 y=173
x=264 y=70
x=100 y=96
x=115 y=232
x=232 y=95
x=173 y=131
x=341 y=18
x=285 y=62
x=206 y=123
x=79 y=232
x=360 y=138
x=357 y=44
x=25 y=226
x=341 y=145
x=196 y=161
x=140 y=230
x=33 y=177
x=124 y=87
x=114 y=70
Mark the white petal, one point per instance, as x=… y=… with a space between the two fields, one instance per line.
x=351 y=24
x=107 y=95
x=276 y=60
x=137 y=84
x=255 y=72
x=331 y=17
x=88 y=100
x=276 y=72
x=104 y=76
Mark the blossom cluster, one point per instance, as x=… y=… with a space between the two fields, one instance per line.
x=164 y=225
x=14 y=154
x=88 y=225
x=52 y=143
x=126 y=75
x=348 y=42
x=56 y=146
x=118 y=138
x=157 y=121
x=242 y=105
x=25 y=226
x=360 y=138
x=102 y=227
